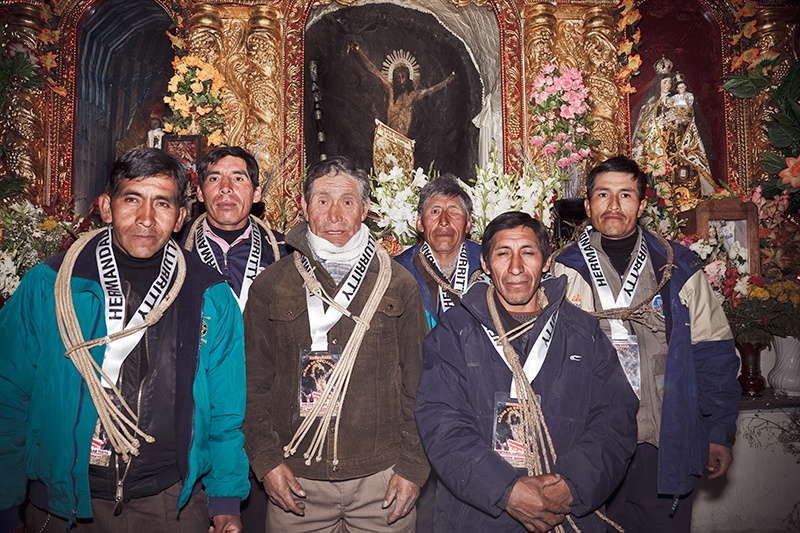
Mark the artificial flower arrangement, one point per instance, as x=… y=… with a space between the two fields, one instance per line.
x=560 y=115
x=30 y=235
x=195 y=98
x=627 y=25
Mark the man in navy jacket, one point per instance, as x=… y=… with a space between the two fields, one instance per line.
x=471 y=419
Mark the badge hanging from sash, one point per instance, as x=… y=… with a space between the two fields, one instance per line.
x=460 y=278
x=253 y=266
x=627 y=346
x=118 y=350
x=317 y=363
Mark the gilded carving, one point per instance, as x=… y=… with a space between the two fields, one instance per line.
x=22 y=125
x=263 y=133
x=600 y=68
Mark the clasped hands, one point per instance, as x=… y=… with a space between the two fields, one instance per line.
x=540 y=503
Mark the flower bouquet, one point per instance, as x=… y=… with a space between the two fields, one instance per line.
x=195 y=98
x=396 y=197
x=31 y=234
x=560 y=115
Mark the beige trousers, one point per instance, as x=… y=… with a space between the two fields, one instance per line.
x=352 y=506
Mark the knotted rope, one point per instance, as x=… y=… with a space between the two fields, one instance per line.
x=639 y=313
x=120 y=426
x=540 y=453
x=333 y=396
x=271 y=239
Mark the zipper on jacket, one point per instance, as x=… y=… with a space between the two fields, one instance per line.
x=120 y=490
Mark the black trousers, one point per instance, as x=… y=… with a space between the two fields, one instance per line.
x=636 y=504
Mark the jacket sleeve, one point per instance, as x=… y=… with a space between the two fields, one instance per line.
x=411 y=328
x=595 y=465
x=261 y=438
x=715 y=360
x=449 y=426
x=18 y=361
x=226 y=391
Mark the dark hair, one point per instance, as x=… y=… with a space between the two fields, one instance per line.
x=445 y=185
x=333 y=166
x=511 y=220
x=621 y=164
x=224 y=151
x=147 y=163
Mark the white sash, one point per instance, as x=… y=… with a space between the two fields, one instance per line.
x=253 y=259
x=537 y=355
x=118 y=351
x=321 y=321
x=625 y=297
x=460 y=279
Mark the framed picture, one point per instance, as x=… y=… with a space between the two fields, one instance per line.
x=731 y=218
x=187 y=148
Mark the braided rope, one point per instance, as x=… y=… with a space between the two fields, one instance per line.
x=333 y=396
x=120 y=426
x=540 y=451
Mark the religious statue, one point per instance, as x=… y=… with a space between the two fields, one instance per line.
x=155 y=134
x=399 y=78
x=667 y=142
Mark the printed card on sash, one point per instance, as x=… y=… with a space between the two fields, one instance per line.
x=102 y=450
x=627 y=346
x=628 y=355
x=315 y=371
x=509 y=432
x=320 y=321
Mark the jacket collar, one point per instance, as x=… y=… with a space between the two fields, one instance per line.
x=554 y=288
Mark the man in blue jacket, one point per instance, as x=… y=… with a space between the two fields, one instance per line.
x=522 y=407
x=122 y=387
x=443 y=266
x=673 y=340
x=444 y=263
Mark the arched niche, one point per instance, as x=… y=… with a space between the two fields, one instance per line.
x=114 y=64
x=504 y=79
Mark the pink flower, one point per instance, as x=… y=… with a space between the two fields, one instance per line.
x=537 y=140
x=791 y=174
x=566 y=111
x=550 y=149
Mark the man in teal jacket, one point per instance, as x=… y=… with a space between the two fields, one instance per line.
x=136 y=446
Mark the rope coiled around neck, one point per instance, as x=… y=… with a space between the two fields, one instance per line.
x=121 y=427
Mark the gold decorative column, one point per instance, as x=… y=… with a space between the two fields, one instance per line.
x=263 y=135
x=23 y=124
x=600 y=69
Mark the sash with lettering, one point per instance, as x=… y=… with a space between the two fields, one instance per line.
x=118 y=351
x=320 y=321
x=537 y=355
x=253 y=259
x=627 y=345
x=460 y=279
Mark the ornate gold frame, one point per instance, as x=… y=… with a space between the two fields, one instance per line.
x=258 y=46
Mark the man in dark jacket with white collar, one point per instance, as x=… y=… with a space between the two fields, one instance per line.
x=530 y=430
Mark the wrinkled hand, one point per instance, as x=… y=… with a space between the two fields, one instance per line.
x=539 y=503
x=282 y=487
x=404 y=494
x=226 y=523
x=719 y=459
